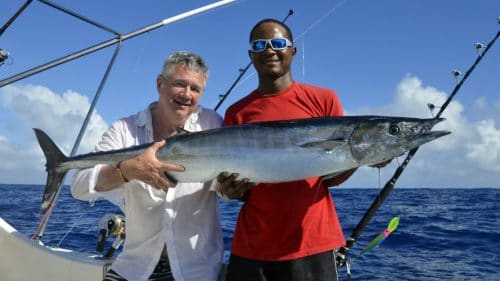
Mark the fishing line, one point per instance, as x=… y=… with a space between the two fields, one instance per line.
x=342 y=253
x=379 y=182
x=303 y=60
x=90 y=205
x=322 y=18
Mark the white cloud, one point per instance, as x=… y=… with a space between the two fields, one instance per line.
x=469 y=157
x=60 y=116
x=486 y=152
x=480 y=103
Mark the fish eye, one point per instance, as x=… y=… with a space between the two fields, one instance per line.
x=394 y=129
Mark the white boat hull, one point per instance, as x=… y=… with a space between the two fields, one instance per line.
x=24 y=259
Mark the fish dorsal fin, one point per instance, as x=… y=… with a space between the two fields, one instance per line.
x=327 y=145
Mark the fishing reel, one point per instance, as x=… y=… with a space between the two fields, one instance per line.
x=3 y=56
x=110 y=225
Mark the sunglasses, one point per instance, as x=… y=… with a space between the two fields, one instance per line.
x=276 y=44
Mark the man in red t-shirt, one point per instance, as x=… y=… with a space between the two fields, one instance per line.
x=285 y=231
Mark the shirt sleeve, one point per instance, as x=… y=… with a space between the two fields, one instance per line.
x=84 y=181
x=334 y=105
x=229 y=118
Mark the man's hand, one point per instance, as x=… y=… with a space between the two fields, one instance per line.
x=148 y=169
x=232 y=188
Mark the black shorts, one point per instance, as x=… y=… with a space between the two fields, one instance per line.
x=318 y=267
x=162 y=272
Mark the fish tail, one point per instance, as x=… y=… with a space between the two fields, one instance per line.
x=54 y=157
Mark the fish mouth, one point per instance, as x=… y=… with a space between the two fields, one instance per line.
x=429 y=135
x=432 y=135
x=435 y=121
x=428 y=125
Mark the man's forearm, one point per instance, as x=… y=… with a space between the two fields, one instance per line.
x=110 y=177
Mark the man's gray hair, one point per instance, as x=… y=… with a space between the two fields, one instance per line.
x=191 y=60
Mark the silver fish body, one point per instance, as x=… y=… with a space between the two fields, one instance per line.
x=292 y=150
x=267 y=152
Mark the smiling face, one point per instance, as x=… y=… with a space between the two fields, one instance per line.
x=180 y=90
x=271 y=64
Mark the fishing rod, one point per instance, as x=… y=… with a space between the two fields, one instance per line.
x=80 y=17
x=223 y=97
x=342 y=259
x=43 y=222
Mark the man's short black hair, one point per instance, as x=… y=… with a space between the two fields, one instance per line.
x=273 y=21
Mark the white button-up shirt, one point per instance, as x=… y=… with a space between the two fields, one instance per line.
x=186 y=218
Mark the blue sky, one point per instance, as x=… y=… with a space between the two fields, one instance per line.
x=381 y=57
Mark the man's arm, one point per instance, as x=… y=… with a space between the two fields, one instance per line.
x=145 y=167
x=105 y=180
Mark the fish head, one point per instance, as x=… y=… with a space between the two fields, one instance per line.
x=379 y=139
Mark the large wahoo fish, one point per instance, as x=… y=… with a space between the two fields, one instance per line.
x=267 y=152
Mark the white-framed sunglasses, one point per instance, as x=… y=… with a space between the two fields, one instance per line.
x=276 y=44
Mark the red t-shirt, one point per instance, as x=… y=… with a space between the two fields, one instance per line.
x=284 y=221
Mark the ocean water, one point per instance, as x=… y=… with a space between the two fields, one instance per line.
x=443 y=234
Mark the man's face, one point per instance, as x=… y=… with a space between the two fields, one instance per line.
x=180 y=92
x=272 y=63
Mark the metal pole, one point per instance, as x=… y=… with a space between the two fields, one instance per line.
x=13 y=18
x=108 y=43
x=43 y=222
x=45 y=219
x=69 y=12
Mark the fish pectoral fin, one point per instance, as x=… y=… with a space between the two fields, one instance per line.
x=326 y=145
x=182 y=131
x=170 y=178
x=332 y=175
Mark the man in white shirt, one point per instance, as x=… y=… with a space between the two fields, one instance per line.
x=173 y=232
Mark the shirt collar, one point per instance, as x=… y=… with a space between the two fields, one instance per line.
x=145 y=118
